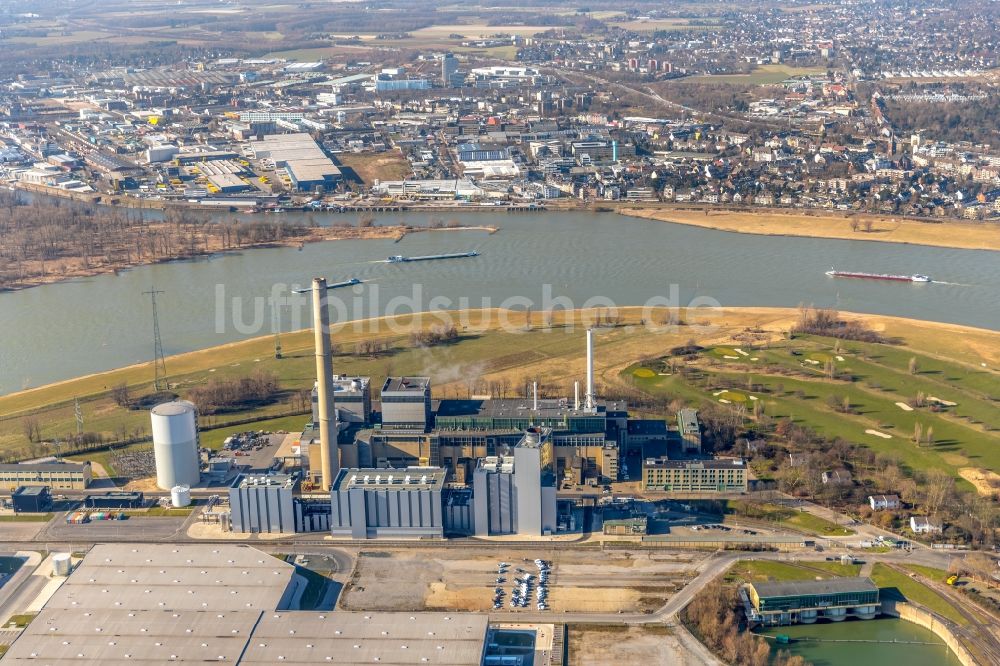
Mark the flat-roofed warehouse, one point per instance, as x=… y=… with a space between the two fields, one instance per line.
x=298 y=154
x=228 y=182
x=367 y=638
x=164 y=603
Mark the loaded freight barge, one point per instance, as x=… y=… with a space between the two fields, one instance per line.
x=400 y=259
x=916 y=277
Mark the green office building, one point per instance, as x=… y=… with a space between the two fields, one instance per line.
x=806 y=601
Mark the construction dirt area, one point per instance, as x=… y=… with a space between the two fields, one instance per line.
x=461 y=581
x=651 y=645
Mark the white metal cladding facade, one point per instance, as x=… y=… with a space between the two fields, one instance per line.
x=495 y=502
x=268 y=509
x=365 y=512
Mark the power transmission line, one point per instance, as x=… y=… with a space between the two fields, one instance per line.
x=78 y=413
x=159 y=364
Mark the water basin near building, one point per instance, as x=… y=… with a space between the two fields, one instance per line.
x=862 y=642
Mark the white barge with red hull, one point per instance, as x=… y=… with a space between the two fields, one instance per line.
x=916 y=277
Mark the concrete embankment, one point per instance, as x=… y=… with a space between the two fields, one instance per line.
x=919 y=616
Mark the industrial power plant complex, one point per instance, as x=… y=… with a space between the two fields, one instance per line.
x=406 y=465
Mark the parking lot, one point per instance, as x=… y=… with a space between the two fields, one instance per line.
x=135 y=528
x=252 y=449
x=576 y=581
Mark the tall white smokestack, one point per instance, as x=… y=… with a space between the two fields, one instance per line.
x=534 y=394
x=329 y=460
x=589 y=397
x=576 y=396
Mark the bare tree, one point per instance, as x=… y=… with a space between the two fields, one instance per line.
x=32 y=430
x=119 y=393
x=939 y=486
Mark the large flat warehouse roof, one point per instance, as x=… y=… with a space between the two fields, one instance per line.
x=159 y=604
x=367 y=638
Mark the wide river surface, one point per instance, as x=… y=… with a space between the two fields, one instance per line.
x=64 y=330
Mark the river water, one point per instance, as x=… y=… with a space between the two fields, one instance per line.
x=824 y=651
x=64 y=330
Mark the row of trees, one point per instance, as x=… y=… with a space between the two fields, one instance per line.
x=820 y=321
x=222 y=395
x=436 y=335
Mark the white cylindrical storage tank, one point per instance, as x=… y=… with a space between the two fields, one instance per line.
x=62 y=564
x=175 y=444
x=180 y=496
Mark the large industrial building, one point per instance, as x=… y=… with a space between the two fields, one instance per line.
x=169 y=603
x=406 y=465
x=517 y=494
x=272 y=504
x=406 y=403
x=805 y=601
x=371 y=503
x=352 y=398
x=31 y=499
x=119 y=499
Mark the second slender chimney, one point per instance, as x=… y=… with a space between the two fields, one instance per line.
x=589 y=396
